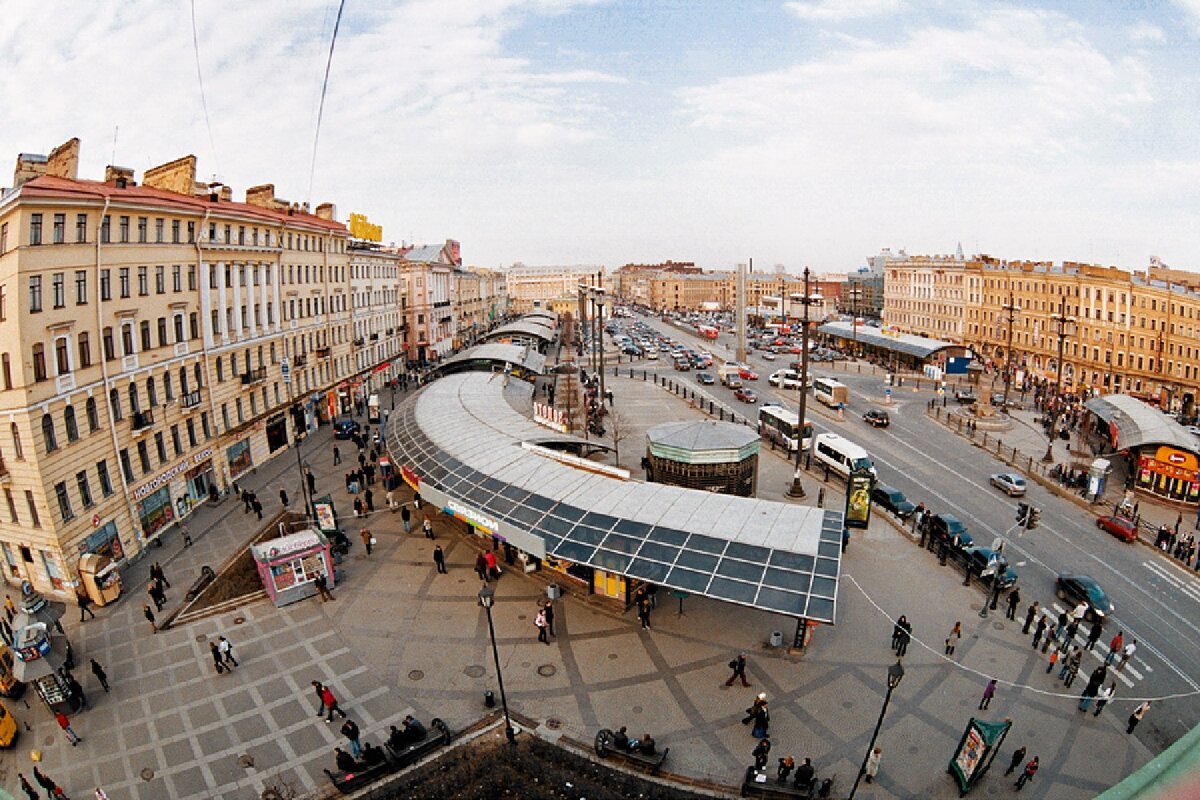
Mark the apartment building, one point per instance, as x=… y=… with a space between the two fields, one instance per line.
x=431 y=288
x=156 y=342
x=534 y=287
x=377 y=302
x=926 y=295
x=480 y=303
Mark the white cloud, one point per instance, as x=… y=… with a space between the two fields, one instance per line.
x=839 y=10
x=1146 y=32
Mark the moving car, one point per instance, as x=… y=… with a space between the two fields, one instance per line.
x=892 y=500
x=976 y=562
x=965 y=396
x=345 y=428
x=877 y=418
x=1120 y=527
x=768 y=356
x=746 y=395
x=1012 y=484
x=748 y=375
x=1073 y=588
x=652 y=354
x=733 y=382
x=706 y=378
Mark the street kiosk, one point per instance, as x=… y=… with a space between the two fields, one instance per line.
x=100 y=578
x=289 y=565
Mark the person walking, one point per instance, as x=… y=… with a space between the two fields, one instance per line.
x=481 y=567
x=872 y=768
x=493 y=566
x=1061 y=625
x=187 y=535
x=311 y=480
x=644 y=613
x=1114 y=647
x=331 y=704
x=246 y=501
x=337 y=456
x=369 y=497
x=1103 y=696
x=322 y=587
x=1137 y=715
x=416 y=501
x=898 y=630
x=319 y=688
x=738 y=665
x=101 y=676
x=351 y=732
x=1039 y=631
x=761 y=751
x=1030 y=616
x=283 y=497
x=428 y=528
x=85 y=603
x=30 y=792
x=1085 y=699
x=157 y=573
x=1027 y=774
x=389 y=498
x=1094 y=633
x=1127 y=653
x=65 y=724
x=540 y=622
x=257 y=506
x=1014 y=597
x=953 y=639
x=358 y=507
x=149 y=615
x=367 y=539
x=1052 y=662
x=216 y=657
x=156 y=595
x=439 y=559
x=225 y=647
x=549 y=608
x=406 y=518
x=1080 y=611
x=989 y=692
x=1017 y=757
x=1073 y=666
x=905 y=638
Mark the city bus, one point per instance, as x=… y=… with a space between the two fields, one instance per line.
x=778 y=424
x=708 y=331
x=831 y=392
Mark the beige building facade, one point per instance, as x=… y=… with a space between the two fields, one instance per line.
x=534 y=287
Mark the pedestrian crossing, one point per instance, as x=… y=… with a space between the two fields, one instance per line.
x=1136 y=669
x=1180 y=583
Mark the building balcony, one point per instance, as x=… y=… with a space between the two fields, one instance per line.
x=5 y=476
x=142 y=420
x=190 y=401
x=322 y=352
x=359 y=342
x=374 y=337
x=300 y=361
x=256 y=375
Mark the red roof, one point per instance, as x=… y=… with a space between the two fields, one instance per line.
x=53 y=187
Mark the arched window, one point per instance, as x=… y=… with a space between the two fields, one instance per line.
x=48 y=433
x=134 y=407
x=72 y=425
x=16 y=437
x=151 y=393
x=93 y=417
x=114 y=402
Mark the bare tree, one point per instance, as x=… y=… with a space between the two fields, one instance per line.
x=568 y=390
x=620 y=428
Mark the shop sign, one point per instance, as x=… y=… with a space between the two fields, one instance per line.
x=173 y=472
x=470 y=516
x=1176 y=458
x=411 y=478
x=554 y=418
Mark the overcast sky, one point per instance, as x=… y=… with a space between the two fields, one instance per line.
x=809 y=133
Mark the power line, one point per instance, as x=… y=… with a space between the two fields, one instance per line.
x=203 y=100
x=321 y=107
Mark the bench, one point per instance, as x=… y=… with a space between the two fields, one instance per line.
x=437 y=735
x=207 y=576
x=606 y=745
x=771 y=787
x=350 y=782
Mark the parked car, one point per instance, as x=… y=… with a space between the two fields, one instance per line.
x=946 y=527
x=977 y=559
x=345 y=428
x=877 y=418
x=1073 y=588
x=965 y=396
x=1011 y=483
x=652 y=354
x=768 y=355
x=746 y=395
x=892 y=500
x=706 y=378
x=1120 y=527
x=682 y=365
x=998 y=400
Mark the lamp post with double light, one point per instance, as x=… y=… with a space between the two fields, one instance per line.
x=487 y=598
x=797 y=487
x=895 y=674
x=1064 y=327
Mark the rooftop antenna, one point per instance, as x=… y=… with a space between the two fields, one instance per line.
x=116 y=129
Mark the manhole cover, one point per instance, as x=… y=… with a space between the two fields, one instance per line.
x=202 y=638
x=246 y=761
x=147 y=774
x=998 y=626
x=525 y=665
x=546 y=670
x=913 y=749
x=522 y=616
x=612 y=656
x=637 y=709
x=554 y=723
x=474 y=671
x=847 y=704
x=238 y=620
x=416 y=675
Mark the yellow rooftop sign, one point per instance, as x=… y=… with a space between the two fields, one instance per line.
x=360 y=228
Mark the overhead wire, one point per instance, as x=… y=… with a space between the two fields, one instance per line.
x=324 y=87
x=203 y=98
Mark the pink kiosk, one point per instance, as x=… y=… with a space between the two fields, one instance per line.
x=288 y=565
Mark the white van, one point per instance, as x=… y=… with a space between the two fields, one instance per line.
x=841 y=454
x=787 y=379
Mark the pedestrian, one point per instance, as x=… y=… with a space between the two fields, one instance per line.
x=65 y=724
x=390 y=499
x=1040 y=631
x=1103 y=697
x=44 y=782
x=149 y=615
x=323 y=589
x=311 y=480
x=493 y=566
x=350 y=731
x=539 y=622
x=644 y=613
x=760 y=752
x=1017 y=757
x=1114 y=647
x=319 y=688
x=337 y=456
x=367 y=539
x=1127 y=653
x=187 y=535
x=1085 y=699
x=101 y=676
x=873 y=764
x=1072 y=629
x=157 y=573
x=331 y=704
x=416 y=501
x=1053 y=661
x=953 y=639
x=897 y=630
x=905 y=638
x=1061 y=625
x=216 y=657
x=156 y=594
x=1066 y=663
x=738 y=665
x=30 y=792
x=257 y=506
x=245 y=501
x=101 y=794
x=480 y=566
x=358 y=507
x=226 y=649
x=1137 y=715
x=549 y=607
x=405 y=518
x=1094 y=633
x=1080 y=611
x=1014 y=597
x=85 y=603
x=428 y=527
x=369 y=496
x=283 y=497
x=439 y=558
x=1030 y=616
x=762 y=720
x=1027 y=775
x=988 y=693
x=76 y=689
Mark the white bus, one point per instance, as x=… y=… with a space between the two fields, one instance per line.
x=830 y=392
x=841 y=454
x=779 y=424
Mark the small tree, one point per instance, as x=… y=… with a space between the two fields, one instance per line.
x=569 y=400
x=620 y=428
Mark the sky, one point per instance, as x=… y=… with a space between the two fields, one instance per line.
x=803 y=133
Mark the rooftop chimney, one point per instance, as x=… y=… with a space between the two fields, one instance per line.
x=178 y=176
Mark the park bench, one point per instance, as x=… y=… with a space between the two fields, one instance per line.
x=350 y=782
x=207 y=576
x=606 y=745
x=437 y=735
x=772 y=788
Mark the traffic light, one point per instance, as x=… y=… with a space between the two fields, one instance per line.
x=1022 y=513
x=1035 y=515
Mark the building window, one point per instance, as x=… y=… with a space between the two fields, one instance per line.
x=106 y=337
x=124 y=229
x=191 y=229
x=216 y=322
x=194 y=325
x=58 y=283
x=4 y=238
x=176 y=442
x=106 y=229
x=241 y=234
x=33 y=512
x=64 y=501
x=168 y=389
x=12 y=517
x=179 y=327
x=61 y=359
x=35 y=293
x=35 y=229
x=160 y=280
x=85 y=489
x=158 y=230
x=177 y=278
x=39 y=362
x=18 y=452
x=114 y=402
x=145 y=328
x=124 y=280
x=191 y=278
x=85 y=351
x=143 y=281
x=191 y=430
x=161 y=447
x=175 y=231
x=6 y=365
x=144 y=456
x=220 y=370
x=93 y=417
x=225 y=415
x=60 y=228
x=142 y=229
x=48 y=433
x=126 y=466
x=241 y=412
x=105 y=284
x=151 y=393
x=72 y=425
x=81 y=228
x=106 y=487
x=134 y=405
x=80 y=287
x=204 y=424
x=162 y=331
x=199 y=373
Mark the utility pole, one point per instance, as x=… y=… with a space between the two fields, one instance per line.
x=740 y=313
x=797 y=488
x=1012 y=309
x=1065 y=326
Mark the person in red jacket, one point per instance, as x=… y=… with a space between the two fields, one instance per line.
x=331 y=704
x=1027 y=775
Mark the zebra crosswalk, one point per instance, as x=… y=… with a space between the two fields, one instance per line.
x=1178 y=579
x=1135 y=670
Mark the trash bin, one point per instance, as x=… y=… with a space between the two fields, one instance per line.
x=554 y=591
x=489 y=699
x=776 y=638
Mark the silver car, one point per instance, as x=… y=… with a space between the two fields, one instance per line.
x=1012 y=484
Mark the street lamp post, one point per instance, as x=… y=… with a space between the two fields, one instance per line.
x=1012 y=309
x=797 y=487
x=895 y=674
x=487 y=598
x=854 y=293
x=1064 y=327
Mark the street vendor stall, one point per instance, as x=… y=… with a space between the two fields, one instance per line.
x=288 y=565
x=100 y=578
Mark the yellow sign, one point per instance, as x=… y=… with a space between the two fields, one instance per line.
x=360 y=228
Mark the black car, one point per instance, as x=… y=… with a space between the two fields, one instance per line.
x=965 y=396
x=892 y=500
x=945 y=527
x=706 y=378
x=976 y=561
x=1073 y=588
x=345 y=429
x=877 y=418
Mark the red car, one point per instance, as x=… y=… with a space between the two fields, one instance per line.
x=1120 y=527
x=748 y=375
x=746 y=395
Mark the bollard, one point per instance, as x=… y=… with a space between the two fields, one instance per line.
x=821 y=497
